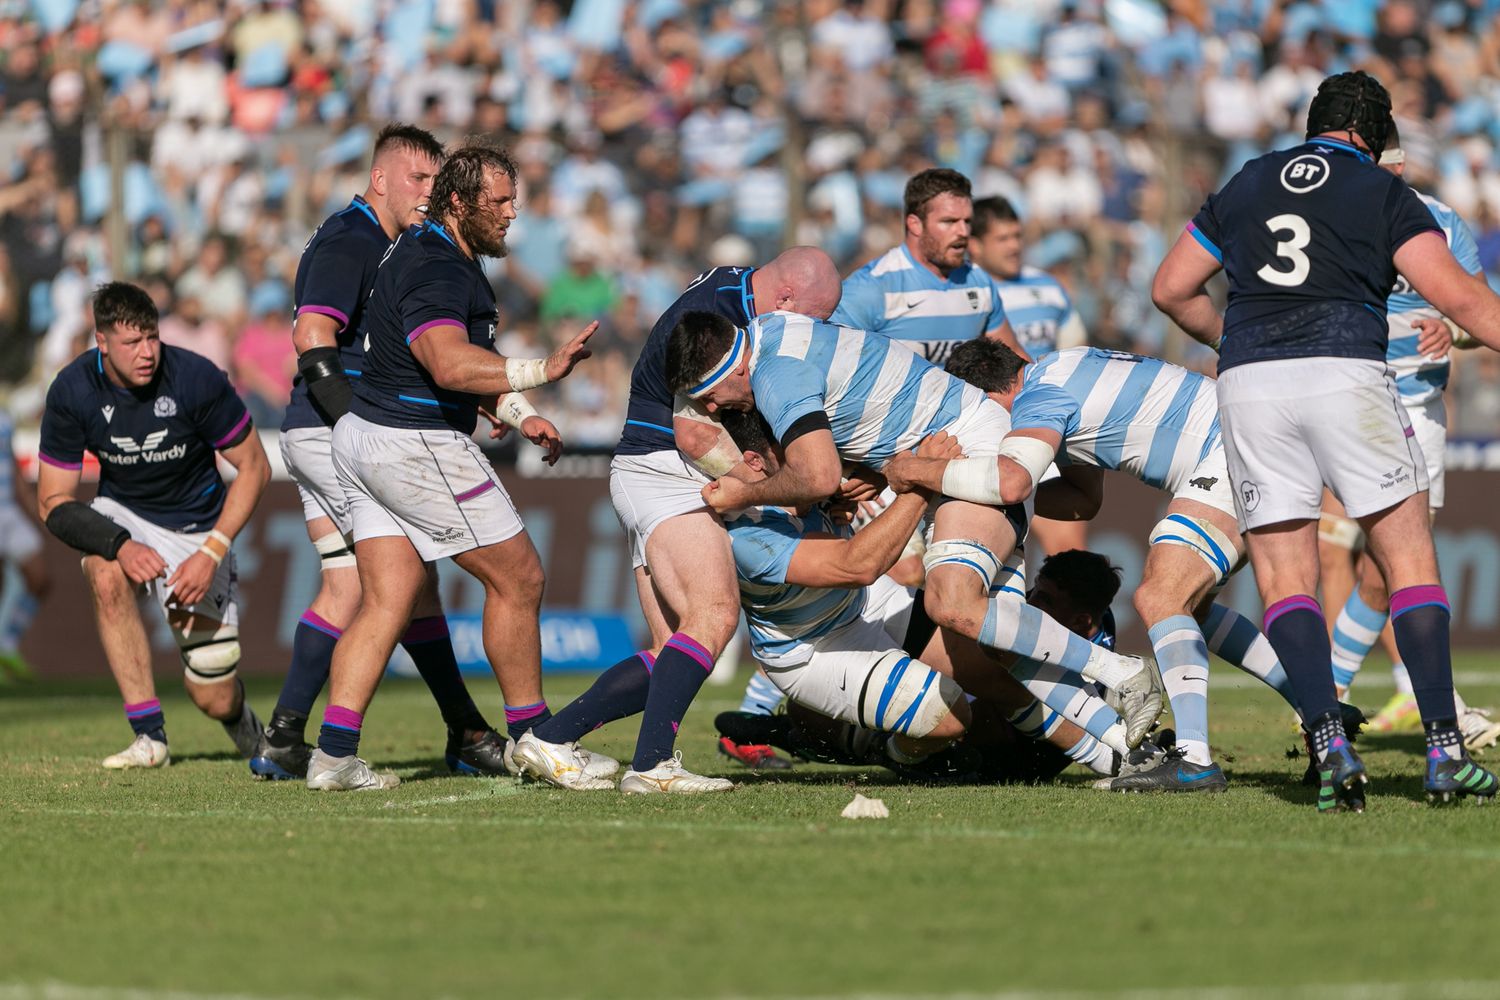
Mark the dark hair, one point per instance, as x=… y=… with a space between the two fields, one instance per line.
x=119 y=303
x=463 y=175
x=988 y=211
x=1392 y=137
x=749 y=430
x=1355 y=102
x=399 y=135
x=986 y=364
x=927 y=185
x=697 y=343
x=1089 y=579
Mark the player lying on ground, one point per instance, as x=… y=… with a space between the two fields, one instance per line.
x=160 y=529
x=334 y=278
x=833 y=395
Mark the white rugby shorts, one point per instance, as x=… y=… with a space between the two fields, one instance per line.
x=19 y=537
x=433 y=486
x=1292 y=427
x=649 y=489
x=1430 y=421
x=220 y=604
x=1209 y=483
x=308 y=454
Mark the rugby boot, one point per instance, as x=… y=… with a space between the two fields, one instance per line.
x=561 y=764
x=755 y=756
x=1399 y=715
x=274 y=763
x=345 y=774
x=1354 y=723
x=1478 y=729
x=1138 y=700
x=1341 y=779
x=142 y=752
x=247 y=732
x=1449 y=779
x=486 y=756
x=671 y=778
x=1166 y=771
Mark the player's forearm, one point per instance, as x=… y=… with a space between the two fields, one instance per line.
x=877 y=546
x=253 y=472
x=1197 y=317
x=792 y=487
x=1477 y=313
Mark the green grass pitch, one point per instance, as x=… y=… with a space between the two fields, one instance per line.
x=197 y=881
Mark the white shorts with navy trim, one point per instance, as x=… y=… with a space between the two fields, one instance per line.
x=1430 y=421
x=1293 y=427
x=308 y=454
x=650 y=489
x=220 y=604
x=433 y=486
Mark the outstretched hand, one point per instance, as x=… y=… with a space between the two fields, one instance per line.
x=543 y=433
x=562 y=361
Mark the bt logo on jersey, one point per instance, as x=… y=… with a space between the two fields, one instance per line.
x=1304 y=173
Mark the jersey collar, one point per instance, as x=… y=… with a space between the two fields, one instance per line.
x=747 y=297
x=927 y=271
x=364 y=206
x=1341 y=145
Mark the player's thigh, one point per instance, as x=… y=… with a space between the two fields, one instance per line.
x=692 y=568
x=1400 y=542
x=308 y=455
x=969 y=541
x=511 y=569
x=1058 y=536
x=1363 y=439
x=648 y=490
x=391 y=574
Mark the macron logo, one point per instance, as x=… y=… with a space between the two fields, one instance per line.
x=109 y=413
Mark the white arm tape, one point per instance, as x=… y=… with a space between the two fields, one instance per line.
x=525 y=373
x=976 y=480
x=1030 y=454
x=513 y=409
x=693 y=426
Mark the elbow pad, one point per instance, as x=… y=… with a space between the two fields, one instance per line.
x=78 y=525
x=323 y=371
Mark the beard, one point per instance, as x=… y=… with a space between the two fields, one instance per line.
x=483 y=234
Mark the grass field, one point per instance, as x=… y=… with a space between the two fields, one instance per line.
x=196 y=881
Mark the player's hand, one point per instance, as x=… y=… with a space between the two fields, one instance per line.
x=726 y=495
x=190 y=583
x=902 y=470
x=141 y=563
x=940 y=445
x=541 y=432
x=841 y=512
x=561 y=361
x=871 y=509
x=1434 y=338
x=861 y=484
x=498 y=427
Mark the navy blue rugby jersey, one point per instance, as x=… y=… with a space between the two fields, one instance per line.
x=156 y=444
x=648 y=420
x=1306 y=237
x=424 y=281
x=333 y=278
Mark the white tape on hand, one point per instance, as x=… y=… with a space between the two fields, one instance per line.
x=525 y=373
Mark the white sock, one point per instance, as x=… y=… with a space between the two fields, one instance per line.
x=1109 y=668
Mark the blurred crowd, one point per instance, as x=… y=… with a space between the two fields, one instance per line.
x=192 y=145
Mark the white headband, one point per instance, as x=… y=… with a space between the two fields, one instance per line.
x=726 y=365
x=1393 y=157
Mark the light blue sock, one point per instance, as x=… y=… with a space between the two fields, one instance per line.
x=1038 y=722
x=1011 y=625
x=761 y=696
x=1355 y=632
x=1070 y=697
x=1183 y=656
x=1237 y=641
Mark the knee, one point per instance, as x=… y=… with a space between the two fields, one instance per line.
x=525 y=583
x=106 y=579
x=1154 y=602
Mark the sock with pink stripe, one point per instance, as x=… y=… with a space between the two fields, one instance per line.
x=1298 y=633
x=1420 y=617
x=519 y=719
x=680 y=670
x=339 y=736
x=146 y=717
x=620 y=691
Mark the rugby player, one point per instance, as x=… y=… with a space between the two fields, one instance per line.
x=333 y=281
x=925 y=292
x=1417 y=352
x=684 y=570
x=833 y=395
x=1042 y=316
x=1312 y=239
x=21 y=547
x=161 y=526
x=418 y=487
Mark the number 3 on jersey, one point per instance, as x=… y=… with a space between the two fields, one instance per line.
x=1288 y=249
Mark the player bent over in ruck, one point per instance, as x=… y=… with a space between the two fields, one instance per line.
x=161 y=526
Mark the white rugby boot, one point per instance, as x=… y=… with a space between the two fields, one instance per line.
x=562 y=764
x=345 y=774
x=1139 y=699
x=670 y=777
x=142 y=752
x=1478 y=729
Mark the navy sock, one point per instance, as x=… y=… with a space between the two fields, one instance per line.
x=520 y=719
x=679 y=672
x=431 y=649
x=619 y=691
x=312 y=652
x=1420 y=618
x=339 y=736
x=1298 y=633
x=146 y=717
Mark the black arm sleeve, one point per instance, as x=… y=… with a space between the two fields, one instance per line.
x=806 y=424
x=326 y=382
x=85 y=529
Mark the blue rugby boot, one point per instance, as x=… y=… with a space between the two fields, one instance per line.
x=1341 y=778
x=1449 y=779
x=1167 y=771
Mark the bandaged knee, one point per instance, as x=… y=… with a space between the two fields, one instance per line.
x=1211 y=544
x=1343 y=532
x=965 y=552
x=334 y=551
x=905 y=696
x=211 y=654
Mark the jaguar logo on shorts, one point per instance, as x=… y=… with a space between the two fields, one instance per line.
x=1204 y=483
x=165 y=406
x=1250 y=495
x=449 y=535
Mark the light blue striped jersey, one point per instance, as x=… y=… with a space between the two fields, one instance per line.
x=7 y=459
x=879 y=396
x=1145 y=417
x=1420 y=379
x=900 y=298
x=1037 y=306
x=785 y=618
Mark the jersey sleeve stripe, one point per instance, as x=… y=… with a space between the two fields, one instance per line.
x=234 y=432
x=59 y=463
x=329 y=311
x=413 y=335
x=1205 y=242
